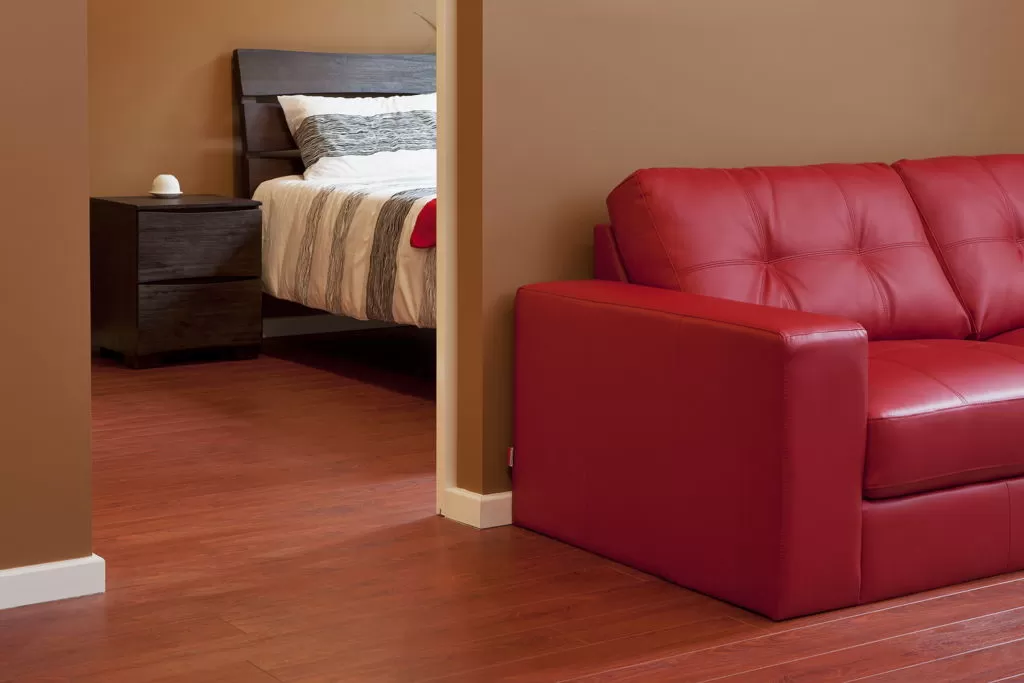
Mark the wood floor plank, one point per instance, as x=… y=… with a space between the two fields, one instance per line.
x=581 y=661
x=892 y=603
x=880 y=656
x=1005 y=679
x=434 y=602
x=994 y=662
x=362 y=651
x=272 y=521
x=410 y=659
x=593 y=591
x=787 y=642
x=185 y=670
x=95 y=654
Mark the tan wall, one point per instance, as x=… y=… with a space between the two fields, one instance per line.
x=160 y=75
x=44 y=344
x=470 y=473
x=578 y=93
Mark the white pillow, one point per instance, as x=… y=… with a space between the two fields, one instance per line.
x=365 y=139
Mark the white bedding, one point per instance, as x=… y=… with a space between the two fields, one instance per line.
x=345 y=248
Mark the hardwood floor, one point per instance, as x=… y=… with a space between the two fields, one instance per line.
x=272 y=521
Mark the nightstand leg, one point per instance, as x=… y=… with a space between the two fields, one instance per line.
x=141 y=362
x=249 y=352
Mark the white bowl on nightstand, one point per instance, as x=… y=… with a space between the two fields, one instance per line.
x=166 y=186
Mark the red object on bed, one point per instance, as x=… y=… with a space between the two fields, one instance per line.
x=424 y=233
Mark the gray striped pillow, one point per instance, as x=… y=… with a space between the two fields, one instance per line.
x=342 y=135
x=364 y=138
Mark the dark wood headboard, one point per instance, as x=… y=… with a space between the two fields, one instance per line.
x=265 y=148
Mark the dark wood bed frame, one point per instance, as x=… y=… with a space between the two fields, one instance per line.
x=264 y=148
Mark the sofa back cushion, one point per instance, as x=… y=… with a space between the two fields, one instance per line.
x=974 y=209
x=836 y=239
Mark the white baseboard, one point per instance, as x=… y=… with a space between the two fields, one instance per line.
x=52 y=581
x=476 y=510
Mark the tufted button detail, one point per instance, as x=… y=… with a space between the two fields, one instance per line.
x=790 y=237
x=970 y=205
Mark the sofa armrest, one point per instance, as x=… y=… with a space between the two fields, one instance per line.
x=717 y=444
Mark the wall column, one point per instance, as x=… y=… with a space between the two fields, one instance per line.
x=471 y=494
x=45 y=488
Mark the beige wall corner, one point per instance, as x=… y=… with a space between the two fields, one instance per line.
x=447 y=254
x=45 y=498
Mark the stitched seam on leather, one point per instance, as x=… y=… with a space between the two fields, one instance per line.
x=875 y=283
x=752 y=262
x=763 y=231
x=940 y=256
x=930 y=375
x=939 y=477
x=859 y=330
x=716 y=264
x=1012 y=334
x=773 y=207
x=847 y=252
x=896 y=245
x=1009 y=525
x=762 y=285
x=773 y=210
x=980 y=240
x=883 y=297
x=810 y=254
x=874 y=352
x=621 y=265
x=789 y=291
x=795 y=257
x=849 y=209
x=942 y=411
x=783 y=490
x=690 y=316
x=941 y=480
x=774 y=217
x=983 y=347
x=754 y=213
x=1007 y=203
x=1018 y=225
x=766 y=273
x=657 y=232
x=860 y=569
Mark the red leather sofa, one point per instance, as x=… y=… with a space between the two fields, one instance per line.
x=795 y=389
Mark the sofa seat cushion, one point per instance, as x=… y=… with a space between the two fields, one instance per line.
x=942 y=413
x=1016 y=337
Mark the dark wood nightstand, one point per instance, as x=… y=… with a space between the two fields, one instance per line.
x=175 y=275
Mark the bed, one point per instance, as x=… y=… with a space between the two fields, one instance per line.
x=342 y=246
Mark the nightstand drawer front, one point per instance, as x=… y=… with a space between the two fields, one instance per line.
x=178 y=245
x=177 y=317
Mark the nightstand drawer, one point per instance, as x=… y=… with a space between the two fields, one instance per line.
x=174 y=317
x=176 y=245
